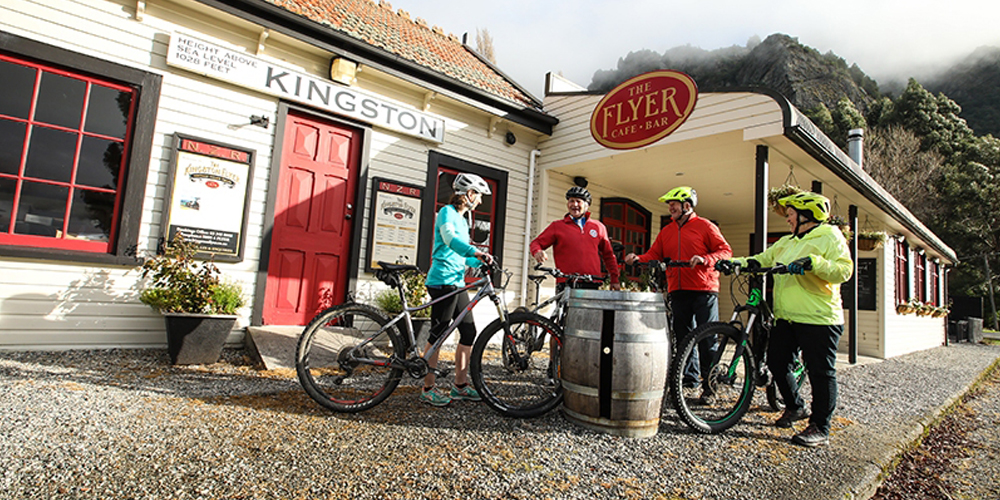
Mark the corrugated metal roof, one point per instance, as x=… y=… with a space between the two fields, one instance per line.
x=410 y=38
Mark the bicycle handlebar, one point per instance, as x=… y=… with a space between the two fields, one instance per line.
x=778 y=268
x=556 y=273
x=664 y=264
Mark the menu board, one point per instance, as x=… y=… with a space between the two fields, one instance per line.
x=867 y=278
x=208 y=193
x=394 y=223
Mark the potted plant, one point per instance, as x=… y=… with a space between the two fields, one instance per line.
x=776 y=193
x=871 y=240
x=199 y=307
x=416 y=294
x=940 y=312
x=908 y=307
x=841 y=222
x=925 y=309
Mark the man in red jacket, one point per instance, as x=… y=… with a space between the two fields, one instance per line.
x=693 y=291
x=579 y=243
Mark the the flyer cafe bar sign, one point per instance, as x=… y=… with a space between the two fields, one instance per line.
x=643 y=109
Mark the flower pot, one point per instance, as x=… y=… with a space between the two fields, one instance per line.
x=197 y=339
x=868 y=244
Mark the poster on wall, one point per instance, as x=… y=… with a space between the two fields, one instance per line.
x=208 y=193
x=394 y=223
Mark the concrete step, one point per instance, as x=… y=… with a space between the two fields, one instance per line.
x=273 y=346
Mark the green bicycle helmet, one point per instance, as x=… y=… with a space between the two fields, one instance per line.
x=814 y=207
x=681 y=194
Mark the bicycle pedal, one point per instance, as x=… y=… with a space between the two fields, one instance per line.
x=443 y=372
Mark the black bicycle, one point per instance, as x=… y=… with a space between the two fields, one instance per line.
x=351 y=357
x=740 y=364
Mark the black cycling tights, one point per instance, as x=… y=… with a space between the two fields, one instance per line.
x=443 y=312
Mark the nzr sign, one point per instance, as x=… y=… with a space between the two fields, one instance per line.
x=644 y=109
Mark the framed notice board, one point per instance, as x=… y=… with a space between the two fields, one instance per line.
x=867 y=278
x=207 y=194
x=394 y=223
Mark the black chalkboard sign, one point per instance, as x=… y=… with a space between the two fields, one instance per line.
x=867 y=277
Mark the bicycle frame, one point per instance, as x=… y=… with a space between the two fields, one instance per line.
x=487 y=290
x=759 y=317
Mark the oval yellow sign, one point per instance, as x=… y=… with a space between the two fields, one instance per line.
x=643 y=109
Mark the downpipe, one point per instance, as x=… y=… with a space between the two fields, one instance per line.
x=532 y=159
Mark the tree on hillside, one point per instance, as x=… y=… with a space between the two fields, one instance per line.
x=894 y=159
x=484 y=45
x=838 y=122
x=933 y=118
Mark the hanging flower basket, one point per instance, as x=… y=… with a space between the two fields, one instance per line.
x=840 y=222
x=776 y=193
x=871 y=240
x=940 y=312
x=905 y=309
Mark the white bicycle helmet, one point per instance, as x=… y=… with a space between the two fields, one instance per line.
x=464 y=182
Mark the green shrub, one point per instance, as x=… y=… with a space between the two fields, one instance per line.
x=179 y=283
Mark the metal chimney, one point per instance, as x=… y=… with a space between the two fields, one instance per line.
x=856 y=146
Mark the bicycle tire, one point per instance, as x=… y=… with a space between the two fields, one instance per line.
x=323 y=358
x=774 y=399
x=731 y=399
x=518 y=391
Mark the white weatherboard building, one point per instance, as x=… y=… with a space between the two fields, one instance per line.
x=336 y=127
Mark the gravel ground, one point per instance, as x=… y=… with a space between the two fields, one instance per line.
x=126 y=424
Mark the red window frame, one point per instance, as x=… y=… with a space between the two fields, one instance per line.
x=902 y=271
x=63 y=240
x=934 y=279
x=920 y=268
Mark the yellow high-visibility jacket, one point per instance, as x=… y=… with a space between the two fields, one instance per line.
x=812 y=298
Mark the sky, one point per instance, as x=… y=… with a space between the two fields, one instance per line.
x=885 y=38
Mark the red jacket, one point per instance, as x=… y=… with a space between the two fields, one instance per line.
x=578 y=250
x=697 y=236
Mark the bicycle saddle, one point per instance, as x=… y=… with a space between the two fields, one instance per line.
x=397 y=268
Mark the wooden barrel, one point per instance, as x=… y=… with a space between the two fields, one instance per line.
x=614 y=361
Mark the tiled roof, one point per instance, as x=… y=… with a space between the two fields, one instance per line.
x=410 y=38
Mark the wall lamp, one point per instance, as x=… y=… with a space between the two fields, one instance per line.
x=260 y=121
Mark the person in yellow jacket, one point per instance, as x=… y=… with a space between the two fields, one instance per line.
x=808 y=310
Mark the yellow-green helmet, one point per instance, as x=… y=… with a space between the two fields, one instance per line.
x=681 y=194
x=815 y=207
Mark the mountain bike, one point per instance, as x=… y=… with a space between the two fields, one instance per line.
x=351 y=357
x=741 y=360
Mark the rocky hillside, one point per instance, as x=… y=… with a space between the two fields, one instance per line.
x=800 y=73
x=974 y=84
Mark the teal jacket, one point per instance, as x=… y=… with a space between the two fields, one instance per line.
x=814 y=297
x=452 y=251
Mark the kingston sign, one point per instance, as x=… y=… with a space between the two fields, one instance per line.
x=643 y=109
x=239 y=68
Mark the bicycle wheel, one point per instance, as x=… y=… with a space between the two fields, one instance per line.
x=528 y=388
x=340 y=366
x=730 y=381
x=774 y=399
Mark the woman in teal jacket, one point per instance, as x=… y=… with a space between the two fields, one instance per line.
x=451 y=255
x=808 y=310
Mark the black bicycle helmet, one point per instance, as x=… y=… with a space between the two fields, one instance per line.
x=579 y=192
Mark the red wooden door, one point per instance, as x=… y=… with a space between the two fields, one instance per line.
x=313 y=222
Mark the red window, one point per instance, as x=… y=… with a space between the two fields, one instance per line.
x=64 y=145
x=902 y=272
x=628 y=224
